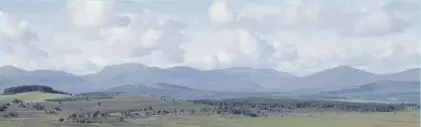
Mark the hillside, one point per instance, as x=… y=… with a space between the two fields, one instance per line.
x=235 y=79
x=181 y=92
x=405 y=76
x=31 y=96
x=214 y=80
x=160 y=89
x=12 y=76
x=380 y=91
x=343 y=76
x=31 y=88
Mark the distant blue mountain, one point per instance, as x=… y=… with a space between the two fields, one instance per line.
x=235 y=79
x=230 y=79
x=181 y=92
x=63 y=81
x=379 y=91
x=160 y=89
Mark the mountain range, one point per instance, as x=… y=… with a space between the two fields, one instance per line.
x=182 y=92
x=237 y=79
x=382 y=90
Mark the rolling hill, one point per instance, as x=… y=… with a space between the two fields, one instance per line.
x=236 y=79
x=31 y=96
x=343 y=77
x=160 y=89
x=379 y=91
x=181 y=92
x=229 y=79
x=12 y=76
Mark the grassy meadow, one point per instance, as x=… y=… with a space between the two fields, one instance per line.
x=35 y=118
x=31 y=96
x=400 y=119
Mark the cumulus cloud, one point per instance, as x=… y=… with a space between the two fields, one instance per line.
x=18 y=42
x=14 y=29
x=90 y=13
x=220 y=13
x=293 y=36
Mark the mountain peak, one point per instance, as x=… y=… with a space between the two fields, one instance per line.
x=10 y=70
x=181 y=68
x=123 y=67
x=415 y=70
x=10 y=67
x=346 y=69
x=52 y=73
x=341 y=71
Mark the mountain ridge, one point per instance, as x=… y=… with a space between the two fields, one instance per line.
x=7 y=67
x=227 y=79
x=385 y=90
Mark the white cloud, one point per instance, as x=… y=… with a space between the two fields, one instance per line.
x=90 y=13
x=375 y=22
x=15 y=30
x=220 y=13
x=299 y=37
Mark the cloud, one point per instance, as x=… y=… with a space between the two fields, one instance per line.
x=220 y=13
x=299 y=37
x=15 y=30
x=18 y=41
x=90 y=13
x=377 y=22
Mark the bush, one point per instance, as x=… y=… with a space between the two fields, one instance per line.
x=86 y=96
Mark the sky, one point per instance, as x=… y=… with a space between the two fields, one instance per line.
x=296 y=36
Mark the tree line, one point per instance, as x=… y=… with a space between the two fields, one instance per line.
x=258 y=106
x=31 y=88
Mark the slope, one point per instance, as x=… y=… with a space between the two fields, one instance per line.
x=343 y=76
x=214 y=80
x=160 y=89
x=31 y=96
x=380 y=91
x=12 y=76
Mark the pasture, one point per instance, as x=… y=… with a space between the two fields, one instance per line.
x=31 y=96
x=31 y=117
x=400 y=119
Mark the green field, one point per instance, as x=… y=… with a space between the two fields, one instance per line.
x=31 y=96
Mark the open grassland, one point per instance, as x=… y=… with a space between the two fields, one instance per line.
x=34 y=96
x=30 y=117
x=400 y=119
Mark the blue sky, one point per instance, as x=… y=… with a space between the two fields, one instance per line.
x=300 y=37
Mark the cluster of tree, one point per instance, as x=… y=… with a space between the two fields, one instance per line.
x=77 y=98
x=97 y=117
x=21 y=104
x=254 y=107
x=4 y=107
x=88 y=117
x=31 y=88
x=86 y=96
x=10 y=115
x=101 y=94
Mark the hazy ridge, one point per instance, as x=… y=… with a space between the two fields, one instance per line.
x=193 y=81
